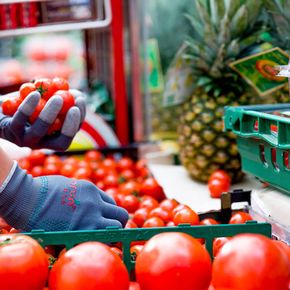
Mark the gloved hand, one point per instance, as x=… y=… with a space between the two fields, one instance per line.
x=17 y=129
x=56 y=203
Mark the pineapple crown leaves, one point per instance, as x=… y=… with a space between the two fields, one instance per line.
x=223 y=31
x=279 y=22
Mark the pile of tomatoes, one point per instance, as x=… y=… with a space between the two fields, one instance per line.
x=47 y=89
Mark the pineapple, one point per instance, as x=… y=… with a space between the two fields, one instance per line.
x=223 y=31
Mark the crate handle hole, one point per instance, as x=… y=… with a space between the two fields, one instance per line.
x=274 y=159
x=286 y=159
x=256 y=125
x=262 y=154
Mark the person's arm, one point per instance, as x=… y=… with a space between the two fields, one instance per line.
x=18 y=130
x=53 y=203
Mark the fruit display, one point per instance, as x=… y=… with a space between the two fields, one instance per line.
x=47 y=89
x=204 y=146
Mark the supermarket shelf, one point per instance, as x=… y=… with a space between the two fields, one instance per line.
x=95 y=24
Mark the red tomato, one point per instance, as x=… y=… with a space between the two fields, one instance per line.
x=217 y=187
x=125 y=163
x=60 y=84
x=44 y=87
x=37 y=171
x=51 y=169
x=154 y=222
x=4 y=225
x=99 y=174
x=178 y=208
x=56 y=126
x=23 y=263
x=38 y=109
x=68 y=169
x=221 y=175
x=250 y=261
x=24 y=164
x=93 y=155
x=109 y=163
x=218 y=243
x=149 y=202
x=173 y=261
x=130 y=203
x=140 y=216
x=117 y=251
x=26 y=89
x=208 y=222
x=71 y=160
x=169 y=204
x=101 y=185
x=83 y=173
x=284 y=248
x=186 y=216
x=240 y=217
x=91 y=265
x=130 y=187
x=112 y=191
x=111 y=180
x=36 y=157
x=127 y=174
x=165 y=215
x=136 y=250
x=68 y=101
x=151 y=187
x=134 y=286
x=170 y=224
x=53 y=159
x=131 y=225
x=10 y=106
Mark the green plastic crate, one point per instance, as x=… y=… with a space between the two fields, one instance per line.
x=263 y=140
x=113 y=235
x=127 y=236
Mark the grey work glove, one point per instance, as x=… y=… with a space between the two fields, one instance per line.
x=56 y=203
x=18 y=130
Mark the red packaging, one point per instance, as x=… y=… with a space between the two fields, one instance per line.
x=8 y=16
x=28 y=14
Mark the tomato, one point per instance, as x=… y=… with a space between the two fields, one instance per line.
x=140 y=216
x=44 y=87
x=284 y=248
x=53 y=159
x=10 y=106
x=178 y=208
x=130 y=225
x=130 y=203
x=218 y=243
x=136 y=250
x=151 y=187
x=68 y=169
x=130 y=187
x=109 y=163
x=208 y=222
x=111 y=180
x=165 y=215
x=90 y=265
x=134 y=286
x=240 y=217
x=26 y=89
x=221 y=175
x=149 y=202
x=38 y=109
x=36 y=157
x=82 y=173
x=117 y=251
x=101 y=185
x=217 y=187
x=127 y=174
x=56 y=126
x=186 y=216
x=37 y=171
x=68 y=101
x=99 y=174
x=50 y=250
x=60 y=84
x=71 y=160
x=125 y=163
x=154 y=222
x=170 y=224
x=169 y=204
x=51 y=169
x=4 y=225
x=23 y=263
x=24 y=164
x=173 y=261
x=141 y=168
x=250 y=261
x=93 y=155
